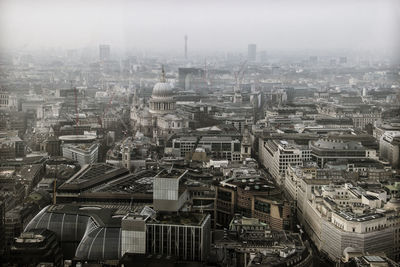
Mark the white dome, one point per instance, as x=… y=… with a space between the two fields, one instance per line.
x=162 y=89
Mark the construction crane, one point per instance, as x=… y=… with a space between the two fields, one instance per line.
x=240 y=74
x=207 y=77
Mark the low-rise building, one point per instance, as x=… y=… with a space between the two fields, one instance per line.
x=250 y=242
x=40 y=246
x=252 y=196
x=11 y=146
x=82 y=153
x=324 y=150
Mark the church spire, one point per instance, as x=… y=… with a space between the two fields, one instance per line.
x=163 y=80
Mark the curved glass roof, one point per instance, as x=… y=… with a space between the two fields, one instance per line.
x=68 y=227
x=95 y=242
x=100 y=243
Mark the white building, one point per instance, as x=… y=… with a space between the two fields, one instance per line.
x=389 y=145
x=221 y=147
x=167 y=195
x=182 y=146
x=340 y=216
x=277 y=155
x=82 y=153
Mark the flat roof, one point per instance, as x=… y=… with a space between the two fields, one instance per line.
x=183 y=218
x=349 y=216
x=215 y=138
x=171 y=173
x=77 y=137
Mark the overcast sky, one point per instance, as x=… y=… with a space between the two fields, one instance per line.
x=210 y=24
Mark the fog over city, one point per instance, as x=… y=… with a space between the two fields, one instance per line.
x=200 y=133
x=353 y=25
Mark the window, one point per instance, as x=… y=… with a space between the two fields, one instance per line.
x=236 y=147
x=226 y=147
x=262 y=206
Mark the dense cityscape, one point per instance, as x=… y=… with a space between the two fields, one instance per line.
x=242 y=158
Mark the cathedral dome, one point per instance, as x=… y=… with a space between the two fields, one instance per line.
x=162 y=89
x=162 y=99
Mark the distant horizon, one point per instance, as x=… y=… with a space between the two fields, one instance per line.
x=118 y=53
x=212 y=27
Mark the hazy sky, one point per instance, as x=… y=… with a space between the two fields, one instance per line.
x=210 y=24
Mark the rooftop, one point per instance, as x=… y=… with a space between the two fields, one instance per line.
x=77 y=138
x=215 y=139
x=334 y=144
x=183 y=218
x=91 y=175
x=349 y=216
x=82 y=147
x=104 y=217
x=171 y=173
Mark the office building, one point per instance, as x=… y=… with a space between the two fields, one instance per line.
x=252 y=52
x=277 y=155
x=186 y=236
x=325 y=150
x=221 y=147
x=185 y=76
x=169 y=194
x=82 y=153
x=104 y=52
x=254 y=196
x=389 y=148
x=338 y=216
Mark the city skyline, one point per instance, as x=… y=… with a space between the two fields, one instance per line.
x=287 y=26
x=200 y=133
